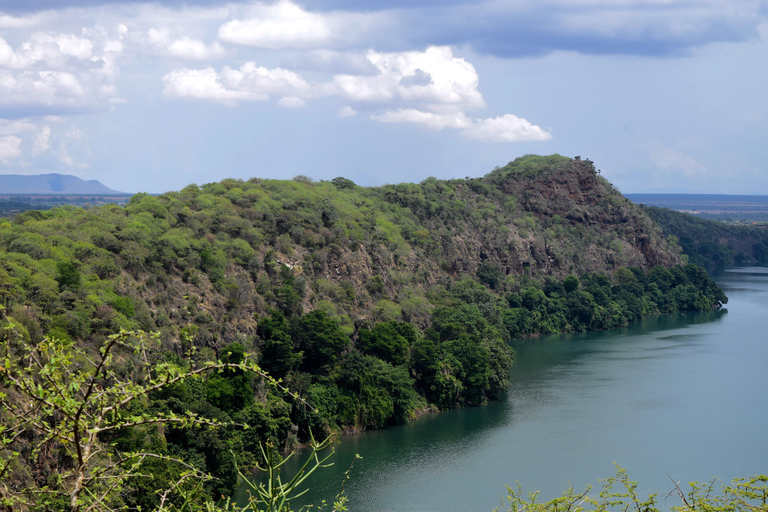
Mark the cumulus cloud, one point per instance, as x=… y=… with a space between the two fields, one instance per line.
x=204 y=84
x=436 y=90
x=24 y=137
x=187 y=48
x=184 y=47
x=434 y=80
x=59 y=69
x=10 y=148
x=283 y=25
x=431 y=88
x=16 y=126
x=248 y=83
x=507 y=128
x=430 y=120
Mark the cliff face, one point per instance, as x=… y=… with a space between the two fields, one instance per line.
x=573 y=194
x=222 y=255
x=556 y=219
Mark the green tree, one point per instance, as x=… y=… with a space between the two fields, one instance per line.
x=320 y=339
x=68 y=399
x=68 y=275
x=389 y=341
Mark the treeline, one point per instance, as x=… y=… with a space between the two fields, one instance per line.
x=711 y=244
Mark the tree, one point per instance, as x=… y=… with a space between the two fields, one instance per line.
x=59 y=399
x=68 y=275
x=389 y=341
x=571 y=283
x=320 y=338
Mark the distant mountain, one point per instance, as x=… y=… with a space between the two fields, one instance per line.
x=51 y=184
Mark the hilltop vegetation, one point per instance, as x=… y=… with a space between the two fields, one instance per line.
x=711 y=244
x=370 y=303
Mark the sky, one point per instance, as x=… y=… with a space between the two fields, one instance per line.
x=663 y=95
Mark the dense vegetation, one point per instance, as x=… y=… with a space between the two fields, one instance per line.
x=372 y=304
x=57 y=380
x=620 y=493
x=711 y=244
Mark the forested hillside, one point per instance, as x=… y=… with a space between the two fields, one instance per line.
x=711 y=244
x=370 y=303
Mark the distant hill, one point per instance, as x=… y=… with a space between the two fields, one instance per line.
x=711 y=244
x=51 y=184
x=710 y=206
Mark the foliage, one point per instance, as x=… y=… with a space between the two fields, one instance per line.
x=620 y=493
x=60 y=399
x=711 y=244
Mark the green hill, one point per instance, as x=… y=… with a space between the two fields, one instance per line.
x=712 y=244
x=371 y=303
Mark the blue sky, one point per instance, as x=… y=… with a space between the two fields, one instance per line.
x=663 y=95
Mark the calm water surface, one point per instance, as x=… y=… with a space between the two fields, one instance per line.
x=682 y=395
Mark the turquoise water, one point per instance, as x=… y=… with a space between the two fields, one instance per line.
x=682 y=396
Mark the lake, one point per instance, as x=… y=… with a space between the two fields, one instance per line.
x=682 y=396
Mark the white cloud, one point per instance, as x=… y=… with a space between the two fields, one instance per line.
x=428 y=119
x=248 y=83
x=263 y=80
x=187 y=48
x=6 y=52
x=59 y=69
x=431 y=88
x=26 y=137
x=184 y=47
x=506 y=128
x=434 y=80
x=159 y=36
x=51 y=51
x=291 y=102
x=42 y=141
x=675 y=161
x=10 y=148
x=204 y=84
x=283 y=25
x=16 y=126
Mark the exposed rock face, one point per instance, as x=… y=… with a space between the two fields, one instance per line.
x=574 y=194
x=565 y=219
